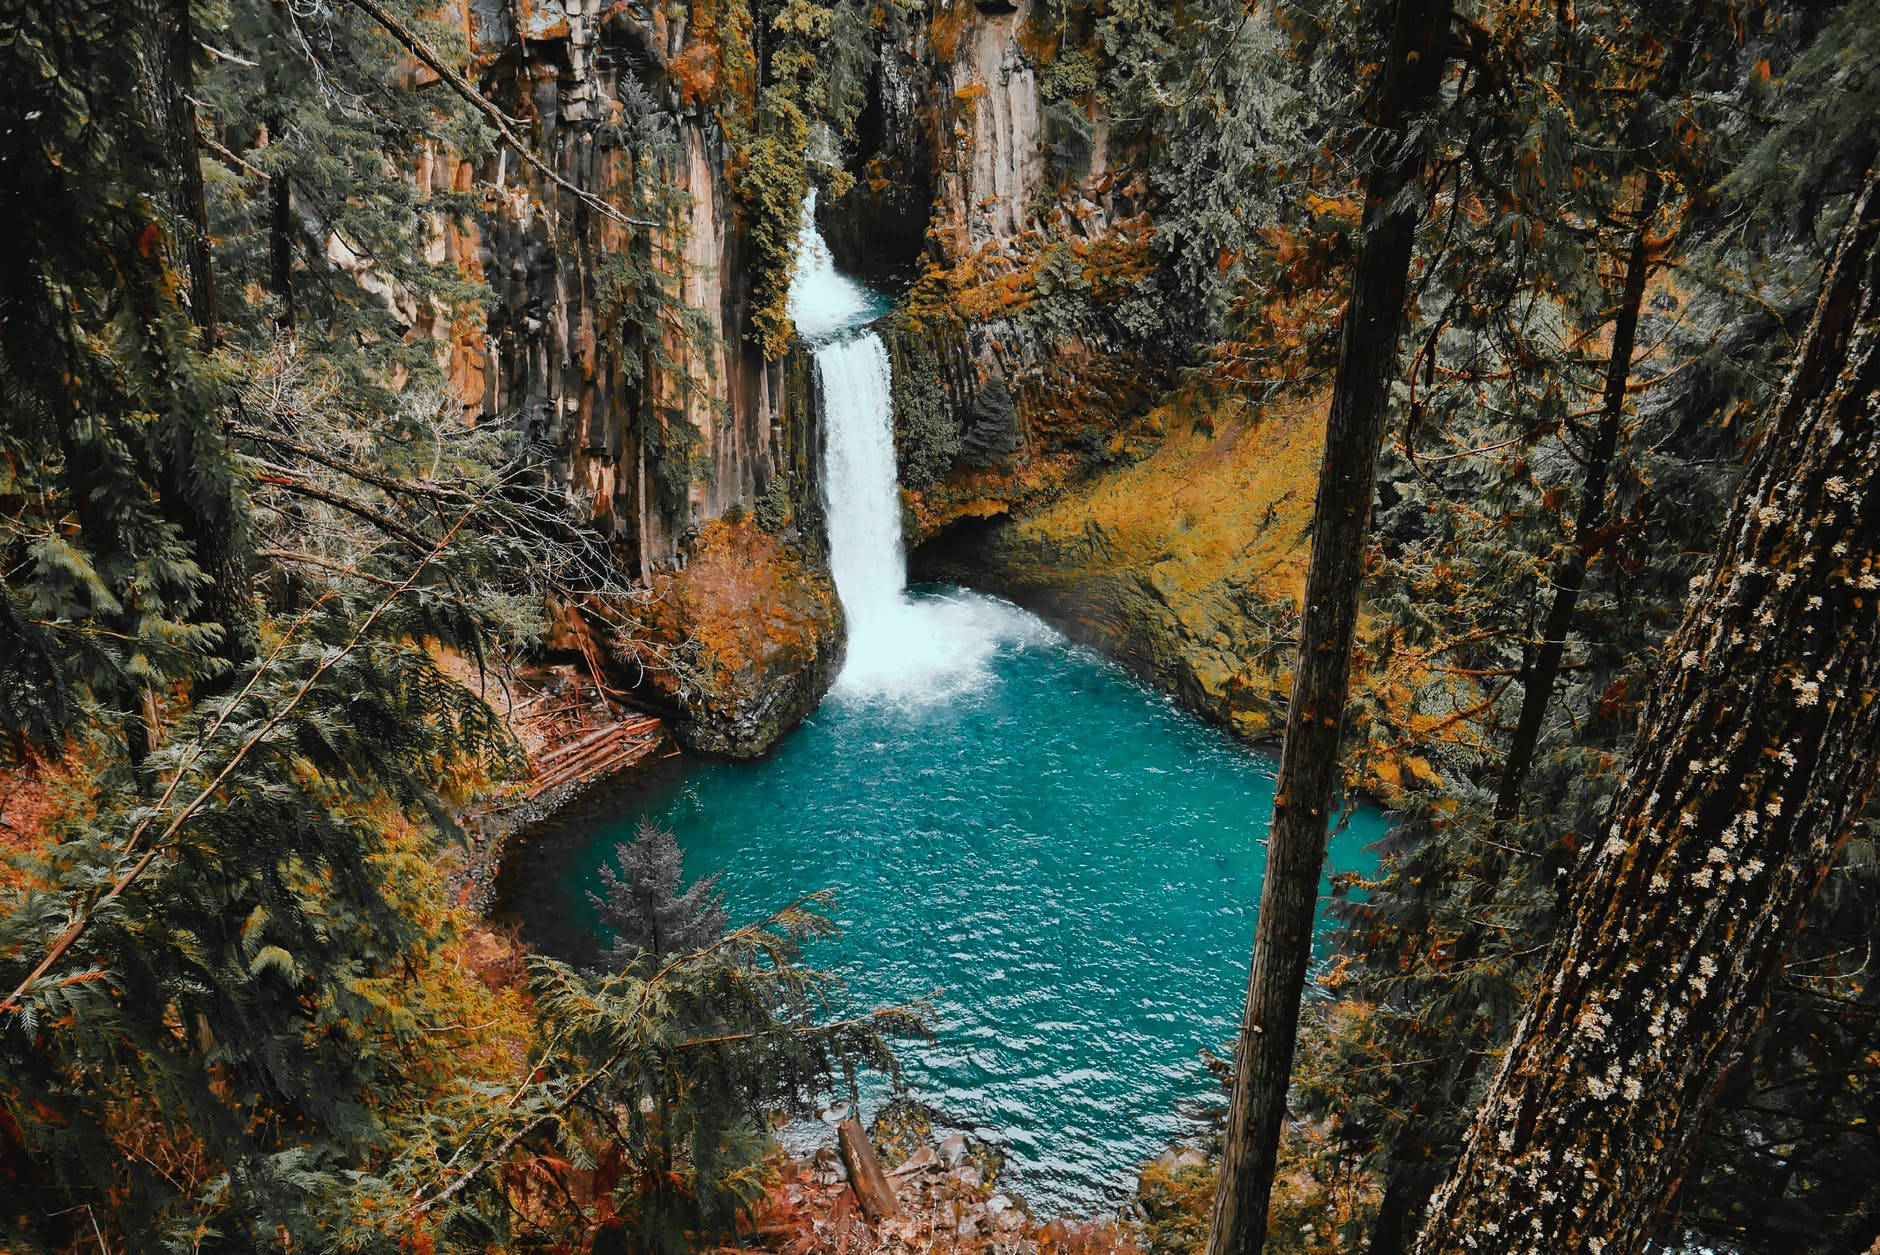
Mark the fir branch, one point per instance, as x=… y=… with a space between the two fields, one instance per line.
x=82 y=919
x=748 y=933
x=233 y=158
x=353 y=470
x=281 y=477
x=348 y=570
x=901 y=1013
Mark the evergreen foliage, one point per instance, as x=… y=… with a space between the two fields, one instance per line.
x=650 y=1095
x=112 y=407
x=643 y=904
x=244 y=540
x=250 y=534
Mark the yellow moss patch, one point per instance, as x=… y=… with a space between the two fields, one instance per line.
x=739 y=602
x=1225 y=495
x=739 y=645
x=1189 y=561
x=947 y=27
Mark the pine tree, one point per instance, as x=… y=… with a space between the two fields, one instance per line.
x=650 y=1094
x=1413 y=70
x=644 y=906
x=111 y=407
x=1758 y=749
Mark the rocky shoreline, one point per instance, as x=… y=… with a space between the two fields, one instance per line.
x=947 y=1195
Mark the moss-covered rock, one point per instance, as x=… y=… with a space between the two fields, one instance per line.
x=1187 y=564
x=741 y=644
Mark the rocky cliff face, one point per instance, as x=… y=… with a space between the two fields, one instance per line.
x=655 y=429
x=622 y=352
x=1188 y=564
x=984 y=187
x=1043 y=455
x=1009 y=368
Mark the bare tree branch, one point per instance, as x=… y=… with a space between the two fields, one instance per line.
x=502 y=122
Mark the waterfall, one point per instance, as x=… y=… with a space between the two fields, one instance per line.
x=901 y=647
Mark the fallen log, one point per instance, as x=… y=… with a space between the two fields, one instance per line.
x=579 y=743
x=613 y=750
x=870 y=1183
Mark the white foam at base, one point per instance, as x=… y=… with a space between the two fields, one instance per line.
x=901 y=648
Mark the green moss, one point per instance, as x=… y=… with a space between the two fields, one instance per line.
x=676 y=457
x=927 y=438
x=1069 y=76
x=992 y=433
x=772 y=511
x=815 y=62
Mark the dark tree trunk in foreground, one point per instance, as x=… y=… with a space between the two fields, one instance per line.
x=1756 y=751
x=1540 y=672
x=169 y=57
x=1308 y=770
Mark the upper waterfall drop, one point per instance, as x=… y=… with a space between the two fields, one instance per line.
x=901 y=647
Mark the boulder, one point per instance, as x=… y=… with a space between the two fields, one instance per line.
x=919 y=1161
x=739 y=646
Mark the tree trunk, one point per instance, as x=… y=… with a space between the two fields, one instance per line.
x=1417 y=1169
x=1406 y=1187
x=1308 y=770
x=1756 y=751
x=1569 y=576
x=210 y=526
x=281 y=248
x=170 y=64
x=872 y=1189
x=280 y=186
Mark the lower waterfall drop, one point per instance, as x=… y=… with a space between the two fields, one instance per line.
x=901 y=646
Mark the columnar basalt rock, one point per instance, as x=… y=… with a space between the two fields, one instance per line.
x=654 y=415
x=652 y=433
x=962 y=121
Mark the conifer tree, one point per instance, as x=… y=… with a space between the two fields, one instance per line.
x=644 y=905
x=111 y=407
x=1757 y=751
x=1414 y=65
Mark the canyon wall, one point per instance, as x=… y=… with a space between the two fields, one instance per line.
x=997 y=198
x=988 y=192
x=622 y=354
x=1045 y=452
x=654 y=429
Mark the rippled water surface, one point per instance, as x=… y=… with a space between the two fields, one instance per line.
x=1072 y=861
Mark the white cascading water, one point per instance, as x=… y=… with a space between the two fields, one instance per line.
x=900 y=647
